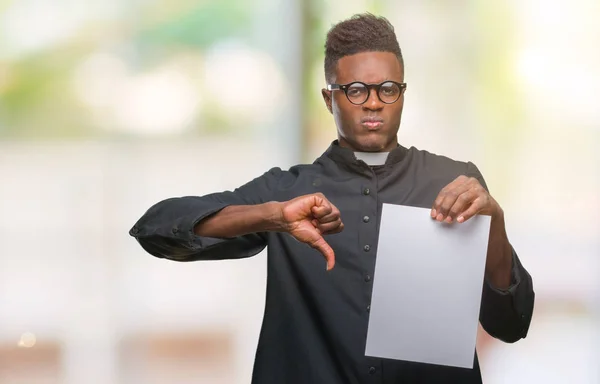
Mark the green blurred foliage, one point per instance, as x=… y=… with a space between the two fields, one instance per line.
x=36 y=101
x=197 y=27
x=36 y=98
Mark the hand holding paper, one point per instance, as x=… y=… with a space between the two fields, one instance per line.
x=462 y=199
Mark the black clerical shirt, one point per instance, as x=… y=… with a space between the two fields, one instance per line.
x=315 y=322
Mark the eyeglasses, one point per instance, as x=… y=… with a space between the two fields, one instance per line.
x=358 y=92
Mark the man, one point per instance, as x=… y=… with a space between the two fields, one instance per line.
x=315 y=322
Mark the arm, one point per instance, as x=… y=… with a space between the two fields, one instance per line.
x=232 y=225
x=508 y=296
x=173 y=228
x=499 y=263
x=506 y=313
x=239 y=220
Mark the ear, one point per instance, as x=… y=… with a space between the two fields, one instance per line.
x=327 y=98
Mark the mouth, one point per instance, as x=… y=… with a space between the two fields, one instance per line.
x=371 y=123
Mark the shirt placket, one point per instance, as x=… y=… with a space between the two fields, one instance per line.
x=368 y=243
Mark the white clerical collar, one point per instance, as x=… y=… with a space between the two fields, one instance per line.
x=372 y=158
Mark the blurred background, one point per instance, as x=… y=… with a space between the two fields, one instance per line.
x=108 y=106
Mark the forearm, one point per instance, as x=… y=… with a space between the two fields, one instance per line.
x=239 y=220
x=507 y=302
x=499 y=255
x=167 y=229
x=506 y=314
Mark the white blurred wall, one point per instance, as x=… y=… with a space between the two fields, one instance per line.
x=69 y=272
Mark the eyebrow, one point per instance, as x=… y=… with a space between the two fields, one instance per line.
x=381 y=82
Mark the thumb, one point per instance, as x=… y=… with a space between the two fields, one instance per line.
x=321 y=245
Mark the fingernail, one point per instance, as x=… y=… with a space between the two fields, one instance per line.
x=433 y=213
x=439 y=217
x=460 y=219
x=449 y=219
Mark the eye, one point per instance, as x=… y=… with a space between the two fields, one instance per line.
x=389 y=89
x=356 y=90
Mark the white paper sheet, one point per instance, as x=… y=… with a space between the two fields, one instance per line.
x=427 y=287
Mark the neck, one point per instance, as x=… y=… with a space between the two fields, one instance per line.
x=357 y=148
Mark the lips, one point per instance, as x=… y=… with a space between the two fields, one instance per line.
x=371 y=122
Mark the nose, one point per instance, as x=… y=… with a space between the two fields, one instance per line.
x=373 y=103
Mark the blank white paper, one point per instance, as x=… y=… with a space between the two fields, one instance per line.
x=427 y=287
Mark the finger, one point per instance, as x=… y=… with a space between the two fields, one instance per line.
x=321 y=245
x=339 y=229
x=329 y=227
x=461 y=204
x=333 y=216
x=321 y=210
x=460 y=180
x=473 y=209
x=448 y=199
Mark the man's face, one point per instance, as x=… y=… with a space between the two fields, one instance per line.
x=353 y=131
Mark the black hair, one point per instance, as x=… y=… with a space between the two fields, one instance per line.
x=360 y=33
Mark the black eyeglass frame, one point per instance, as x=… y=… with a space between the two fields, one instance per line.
x=377 y=87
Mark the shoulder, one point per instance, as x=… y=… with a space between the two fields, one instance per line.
x=442 y=166
x=293 y=172
x=280 y=179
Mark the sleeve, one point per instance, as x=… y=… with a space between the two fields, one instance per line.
x=166 y=230
x=506 y=314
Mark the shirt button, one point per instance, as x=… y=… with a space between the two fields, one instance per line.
x=366 y=191
x=174 y=230
x=372 y=371
x=367 y=248
x=368 y=308
x=366 y=219
x=367 y=278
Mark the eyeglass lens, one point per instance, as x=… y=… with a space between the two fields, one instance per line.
x=358 y=93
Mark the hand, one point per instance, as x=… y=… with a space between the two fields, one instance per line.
x=308 y=218
x=462 y=199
